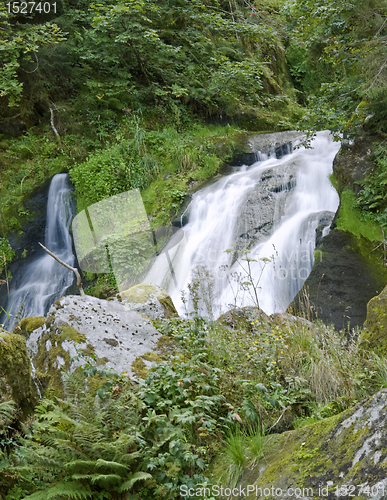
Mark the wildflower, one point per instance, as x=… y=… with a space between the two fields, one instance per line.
x=274 y=362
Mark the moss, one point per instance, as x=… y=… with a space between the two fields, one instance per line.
x=374 y=334
x=15 y=372
x=168 y=305
x=27 y=325
x=144 y=293
x=167 y=346
x=139 y=368
x=139 y=294
x=340 y=449
x=352 y=220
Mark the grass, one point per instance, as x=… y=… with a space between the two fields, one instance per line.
x=243 y=447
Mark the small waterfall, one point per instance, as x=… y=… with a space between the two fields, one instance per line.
x=45 y=280
x=271 y=209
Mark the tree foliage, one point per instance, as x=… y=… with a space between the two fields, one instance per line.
x=337 y=56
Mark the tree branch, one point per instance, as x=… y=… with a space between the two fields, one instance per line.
x=73 y=269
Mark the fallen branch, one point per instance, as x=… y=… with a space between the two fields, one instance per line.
x=73 y=269
x=54 y=128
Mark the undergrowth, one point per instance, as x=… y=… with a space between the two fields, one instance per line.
x=222 y=391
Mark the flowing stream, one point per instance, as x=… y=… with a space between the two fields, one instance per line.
x=44 y=279
x=268 y=211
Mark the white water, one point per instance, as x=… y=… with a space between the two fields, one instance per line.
x=211 y=229
x=44 y=279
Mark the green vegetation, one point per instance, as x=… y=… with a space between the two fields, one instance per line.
x=353 y=219
x=158 y=96
x=109 y=437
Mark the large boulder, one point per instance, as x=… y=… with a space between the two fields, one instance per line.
x=150 y=300
x=77 y=328
x=340 y=457
x=345 y=276
x=374 y=333
x=15 y=372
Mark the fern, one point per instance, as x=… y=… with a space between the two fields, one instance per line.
x=8 y=412
x=63 y=490
x=137 y=476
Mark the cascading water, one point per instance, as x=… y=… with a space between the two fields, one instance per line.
x=44 y=279
x=271 y=208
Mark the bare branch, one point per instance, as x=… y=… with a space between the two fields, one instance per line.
x=73 y=269
x=54 y=129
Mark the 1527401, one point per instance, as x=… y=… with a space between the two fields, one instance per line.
x=31 y=7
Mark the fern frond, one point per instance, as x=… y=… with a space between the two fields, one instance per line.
x=137 y=476
x=129 y=458
x=64 y=490
x=111 y=466
x=106 y=481
x=8 y=411
x=84 y=466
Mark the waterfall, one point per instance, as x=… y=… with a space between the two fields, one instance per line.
x=45 y=280
x=268 y=211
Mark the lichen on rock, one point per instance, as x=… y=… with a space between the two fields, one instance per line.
x=77 y=328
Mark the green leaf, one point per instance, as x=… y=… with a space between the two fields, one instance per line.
x=137 y=476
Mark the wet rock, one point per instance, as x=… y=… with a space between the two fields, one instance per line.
x=345 y=276
x=353 y=163
x=150 y=300
x=265 y=203
x=79 y=327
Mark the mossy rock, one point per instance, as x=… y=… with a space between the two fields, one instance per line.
x=241 y=318
x=345 y=449
x=165 y=347
x=53 y=357
x=15 y=372
x=374 y=334
x=150 y=300
x=79 y=328
x=27 y=325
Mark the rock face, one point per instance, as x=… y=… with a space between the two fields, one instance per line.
x=15 y=372
x=86 y=326
x=353 y=163
x=345 y=276
x=374 y=334
x=150 y=300
x=340 y=457
x=347 y=271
